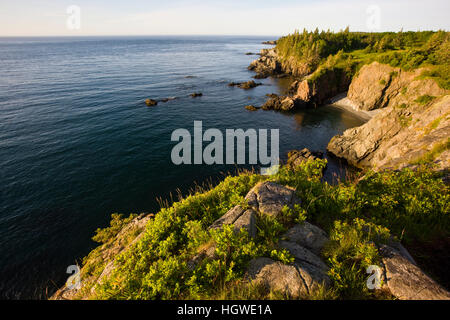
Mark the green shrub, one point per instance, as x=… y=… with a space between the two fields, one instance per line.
x=413 y=205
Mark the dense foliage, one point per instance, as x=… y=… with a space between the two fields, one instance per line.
x=410 y=205
x=350 y=50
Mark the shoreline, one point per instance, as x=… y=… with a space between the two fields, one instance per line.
x=341 y=101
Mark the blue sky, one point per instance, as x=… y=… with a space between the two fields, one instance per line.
x=245 y=17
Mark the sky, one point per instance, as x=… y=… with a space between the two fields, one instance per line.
x=213 y=17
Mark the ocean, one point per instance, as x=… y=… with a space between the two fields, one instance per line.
x=77 y=141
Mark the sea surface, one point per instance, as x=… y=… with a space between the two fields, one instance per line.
x=77 y=141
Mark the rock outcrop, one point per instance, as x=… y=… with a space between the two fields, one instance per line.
x=398 y=137
x=240 y=218
x=266 y=65
x=406 y=281
x=251 y=108
x=379 y=85
x=108 y=253
x=297 y=157
x=245 y=85
x=270 y=198
x=413 y=121
x=279 y=103
x=306 y=274
x=320 y=86
x=151 y=102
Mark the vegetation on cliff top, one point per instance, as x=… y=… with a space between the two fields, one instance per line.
x=411 y=205
x=348 y=51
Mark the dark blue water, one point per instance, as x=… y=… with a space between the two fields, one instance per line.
x=77 y=142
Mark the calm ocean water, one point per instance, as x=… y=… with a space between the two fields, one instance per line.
x=77 y=142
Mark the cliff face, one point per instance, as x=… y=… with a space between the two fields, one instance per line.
x=317 y=89
x=413 y=126
x=312 y=90
x=271 y=64
x=378 y=86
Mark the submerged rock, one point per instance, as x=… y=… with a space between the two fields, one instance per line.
x=168 y=99
x=245 y=85
x=251 y=108
x=151 y=102
x=196 y=94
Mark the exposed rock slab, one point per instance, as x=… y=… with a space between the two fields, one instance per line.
x=297 y=157
x=379 y=85
x=240 y=218
x=396 y=137
x=307 y=235
x=276 y=276
x=294 y=281
x=305 y=257
x=270 y=198
x=406 y=281
x=109 y=252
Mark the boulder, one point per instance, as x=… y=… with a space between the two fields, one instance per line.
x=247 y=221
x=292 y=281
x=168 y=99
x=245 y=85
x=270 y=198
x=276 y=277
x=305 y=258
x=240 y=218
x=406 y=281
x=307 y=235
x=151 y=102
x=251 y=108
x=280 y=103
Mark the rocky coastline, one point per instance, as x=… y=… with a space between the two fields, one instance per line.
x=407 y=118
x=401 y=127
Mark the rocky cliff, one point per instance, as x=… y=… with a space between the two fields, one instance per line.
x=412 y=127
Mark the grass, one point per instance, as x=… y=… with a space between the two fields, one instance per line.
x=431 y=155
x=424 y=100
